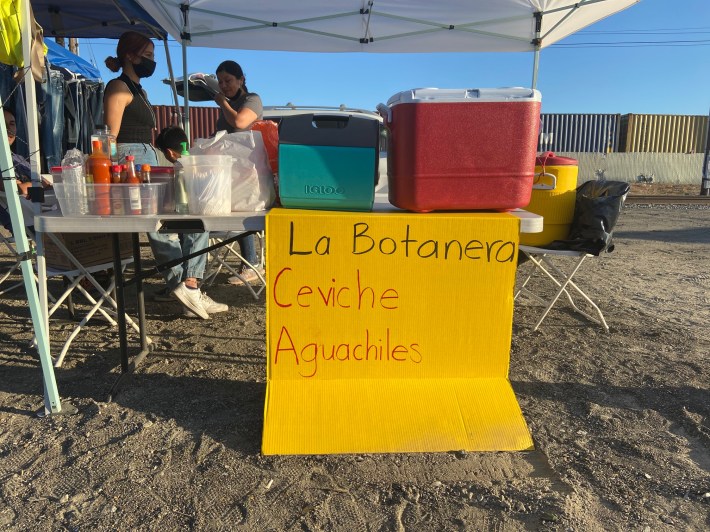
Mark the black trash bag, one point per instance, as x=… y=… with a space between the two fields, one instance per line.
x=596 y=211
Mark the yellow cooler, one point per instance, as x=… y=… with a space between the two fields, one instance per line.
x=553 y=197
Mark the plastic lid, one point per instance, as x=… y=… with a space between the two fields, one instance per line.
x=146 y=168
x=432 y=95
x=130 y=158
x=550 y=159
x=116 y=168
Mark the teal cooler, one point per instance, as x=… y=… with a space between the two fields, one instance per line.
x=328 y=162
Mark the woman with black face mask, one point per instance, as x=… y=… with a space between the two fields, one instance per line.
x=129 y=115
x=127 y=111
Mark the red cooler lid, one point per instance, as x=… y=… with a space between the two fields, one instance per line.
x=550 y=159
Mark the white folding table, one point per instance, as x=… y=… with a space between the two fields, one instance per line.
x=238 y=222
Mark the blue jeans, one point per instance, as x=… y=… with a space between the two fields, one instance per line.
x=52 y=118
x=248 y=249
x=170 y=246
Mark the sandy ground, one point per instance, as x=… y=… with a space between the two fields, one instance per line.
x=621 y=421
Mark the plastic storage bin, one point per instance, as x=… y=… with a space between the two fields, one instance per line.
x=328 y=162
x=553 y=197
x=208 y=179
x=462 y=149
x=124 y=199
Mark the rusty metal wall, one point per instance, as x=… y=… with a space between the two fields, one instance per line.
x=203 y=120
x=663 y=133
x=594 y=133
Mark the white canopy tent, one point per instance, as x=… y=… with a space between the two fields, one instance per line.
x=377 y=26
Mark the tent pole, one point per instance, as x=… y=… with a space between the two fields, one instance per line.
x=37 y=301
x=537 y=43
x=172 y=79
x=184 y=38
x=536 y=65
x=52 y=403
x=33 y=140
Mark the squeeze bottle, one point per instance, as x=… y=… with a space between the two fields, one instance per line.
x=98 y=169
x=118 y=205
x=134 y=191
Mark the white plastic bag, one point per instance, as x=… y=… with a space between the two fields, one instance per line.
x=252 y=181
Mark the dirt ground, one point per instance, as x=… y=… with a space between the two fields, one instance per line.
x=621 y=421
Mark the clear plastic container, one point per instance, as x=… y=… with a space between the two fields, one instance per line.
x=208 y=179
x=70 y=197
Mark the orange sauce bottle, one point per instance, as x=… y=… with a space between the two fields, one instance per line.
x=98 y=170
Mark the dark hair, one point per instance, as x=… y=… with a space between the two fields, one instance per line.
x=7 y=107
x=130 y=42
x=171 y=138
x=233 y=68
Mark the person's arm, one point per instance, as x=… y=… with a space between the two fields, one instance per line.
x=116 y=98
x=241 y=119
x=23 y=187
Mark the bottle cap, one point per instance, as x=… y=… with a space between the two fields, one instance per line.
x=116 y=168
x=139 y=167
x=146 y=168
x=130 y=158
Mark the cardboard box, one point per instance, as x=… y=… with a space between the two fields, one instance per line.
x=390 y=332
x=90 y=249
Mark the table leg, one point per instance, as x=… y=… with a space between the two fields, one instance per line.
x=139 y=291
x=120 y=301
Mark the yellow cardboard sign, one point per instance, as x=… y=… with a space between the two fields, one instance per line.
x=390 y=332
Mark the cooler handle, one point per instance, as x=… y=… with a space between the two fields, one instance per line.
x=542 y=186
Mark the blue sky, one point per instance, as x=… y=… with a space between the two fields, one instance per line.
x=621 y=76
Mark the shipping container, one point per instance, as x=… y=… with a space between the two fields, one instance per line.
x=663 y=133
x=203 y=120
x=595 y=133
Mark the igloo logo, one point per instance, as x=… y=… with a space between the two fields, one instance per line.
x=324 y=190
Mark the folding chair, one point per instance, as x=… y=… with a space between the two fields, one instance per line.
x=597 y=208
x=8 y=241
x=105 y=304
x=219 y=259
x=541 y=258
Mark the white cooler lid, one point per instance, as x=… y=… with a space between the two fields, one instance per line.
x=430 y=95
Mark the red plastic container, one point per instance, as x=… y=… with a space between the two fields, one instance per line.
x=462 y=149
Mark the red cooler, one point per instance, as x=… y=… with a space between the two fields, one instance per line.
x=462 y=149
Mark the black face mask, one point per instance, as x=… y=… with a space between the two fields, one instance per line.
x=145 y=68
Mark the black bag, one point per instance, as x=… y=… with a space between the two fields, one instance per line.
x=596 y=211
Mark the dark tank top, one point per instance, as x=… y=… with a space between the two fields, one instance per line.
x=138 y=118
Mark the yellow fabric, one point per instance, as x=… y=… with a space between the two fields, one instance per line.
x=11 y=38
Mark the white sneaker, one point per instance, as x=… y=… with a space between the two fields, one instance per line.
x=191 y=299
x=246 y=277
x=209 y=304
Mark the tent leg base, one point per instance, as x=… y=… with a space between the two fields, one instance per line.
x=67 y=410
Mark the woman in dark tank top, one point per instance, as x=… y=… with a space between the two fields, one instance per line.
x=129 y=115
x=127 y=111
